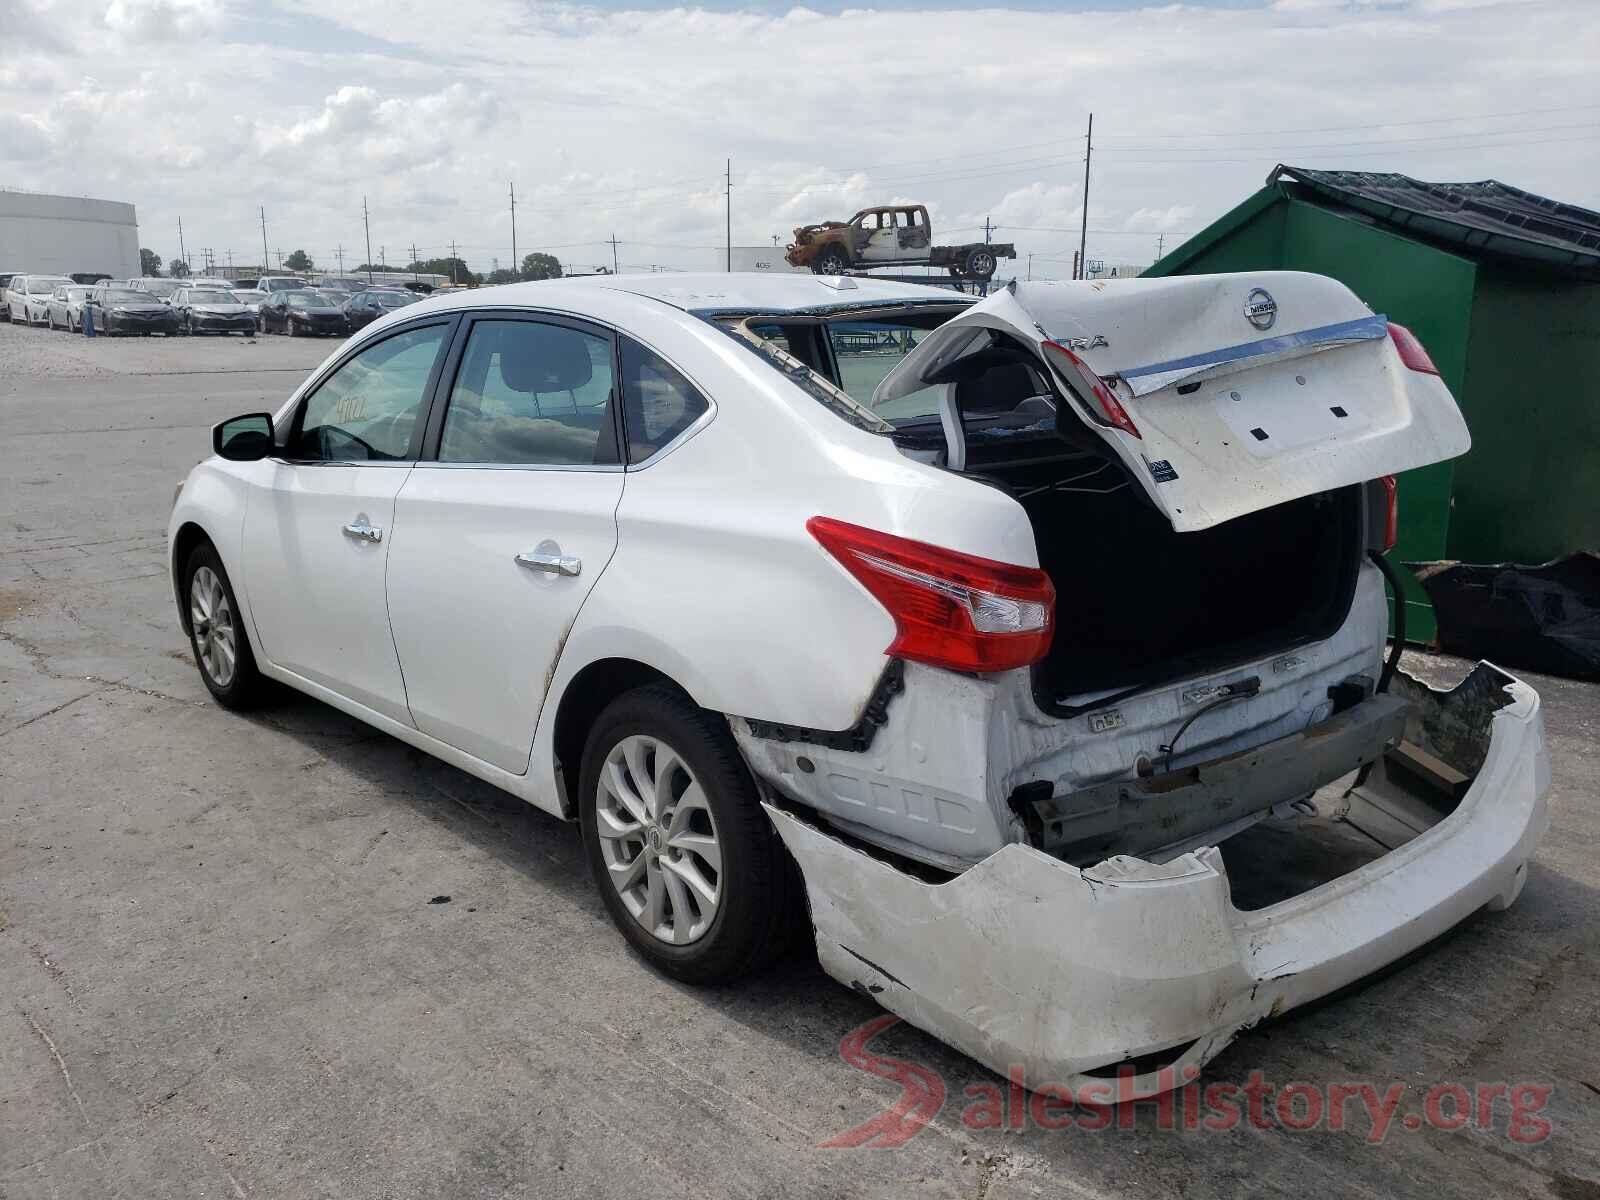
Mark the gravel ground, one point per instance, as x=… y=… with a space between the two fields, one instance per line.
x=224 y=971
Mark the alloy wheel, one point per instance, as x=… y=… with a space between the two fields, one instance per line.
x=658 y=840
x=211 y=618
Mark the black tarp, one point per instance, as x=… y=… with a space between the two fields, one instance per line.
x=1544 y=618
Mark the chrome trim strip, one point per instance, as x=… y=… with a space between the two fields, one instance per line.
x=1360 y=330
x=596 y=468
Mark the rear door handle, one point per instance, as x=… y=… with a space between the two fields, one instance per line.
x=554 y=564
x=364 y=533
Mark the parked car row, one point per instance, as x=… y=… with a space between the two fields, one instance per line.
x=271 y=304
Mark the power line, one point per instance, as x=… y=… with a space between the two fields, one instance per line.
x=1438 y=137
x=1525 y=112
x=1276 y=155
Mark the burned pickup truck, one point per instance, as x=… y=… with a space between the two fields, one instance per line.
x=894 y=235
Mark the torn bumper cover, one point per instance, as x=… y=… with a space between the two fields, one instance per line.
x=1025 y=961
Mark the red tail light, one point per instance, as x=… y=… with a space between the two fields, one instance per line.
x=1391 y=520
x=950 y=609
x=1411 y=350
x=1089 y=385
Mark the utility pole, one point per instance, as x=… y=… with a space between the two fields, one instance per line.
x=1161 y=240
x=383 y=260
x=367 y=226
x=182 y=253
x=452 y=262
x=266 y=259
x=774 y=239
x=987 y=230
x=615 y=269
x=280 y=259
x=516 y=263
x=728 y=198
x=339 y=254
x=1030 y=268
x=413 y=262
x=1083 y=230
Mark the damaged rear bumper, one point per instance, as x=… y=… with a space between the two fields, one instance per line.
x=1025 y=961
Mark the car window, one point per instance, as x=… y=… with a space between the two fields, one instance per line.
x=367 y=409
x=660 y=403
x=531 y=394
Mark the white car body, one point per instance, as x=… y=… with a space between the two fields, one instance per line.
x=698 y=565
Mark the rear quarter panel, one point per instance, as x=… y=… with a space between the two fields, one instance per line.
x=717 y=583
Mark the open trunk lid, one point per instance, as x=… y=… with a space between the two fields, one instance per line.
x=1247 y=390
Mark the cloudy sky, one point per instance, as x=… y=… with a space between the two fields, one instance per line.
x=617 y=119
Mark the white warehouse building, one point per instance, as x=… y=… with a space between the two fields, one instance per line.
x=65 y=235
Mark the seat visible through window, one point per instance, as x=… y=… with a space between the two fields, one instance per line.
x=532 y=393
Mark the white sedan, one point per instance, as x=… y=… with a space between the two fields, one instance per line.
x=986 y=623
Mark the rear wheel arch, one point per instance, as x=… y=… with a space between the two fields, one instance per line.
x=586 y=696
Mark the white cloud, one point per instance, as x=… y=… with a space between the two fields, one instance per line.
x=621 y=121
x=163 y=20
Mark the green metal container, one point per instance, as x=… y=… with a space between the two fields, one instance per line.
x=1517 y=342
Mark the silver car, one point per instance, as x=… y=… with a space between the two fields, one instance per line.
x=65 y=310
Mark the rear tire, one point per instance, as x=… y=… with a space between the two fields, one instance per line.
x=217 y=634
x=687 y=863
x=981 y=263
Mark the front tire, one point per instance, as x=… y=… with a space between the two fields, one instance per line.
x=687 y=864
x=217 y=635
x=832 y=261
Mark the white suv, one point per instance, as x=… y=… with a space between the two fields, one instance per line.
x=995 y=625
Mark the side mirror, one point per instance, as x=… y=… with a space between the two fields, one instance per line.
x=243 y=439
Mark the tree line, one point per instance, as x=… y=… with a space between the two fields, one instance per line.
x=537 y=265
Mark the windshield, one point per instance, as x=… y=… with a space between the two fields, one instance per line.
x=124 y=296
x=160 y=287
x=212 y=296
x=394 y=299
x=43 y=285
x=306 y=300
x=281 y=285
x=77 y=293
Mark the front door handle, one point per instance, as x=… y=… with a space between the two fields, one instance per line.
x=363 y=533
x=554 y=564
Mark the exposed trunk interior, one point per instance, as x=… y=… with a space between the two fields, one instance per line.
x=1137 y=603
